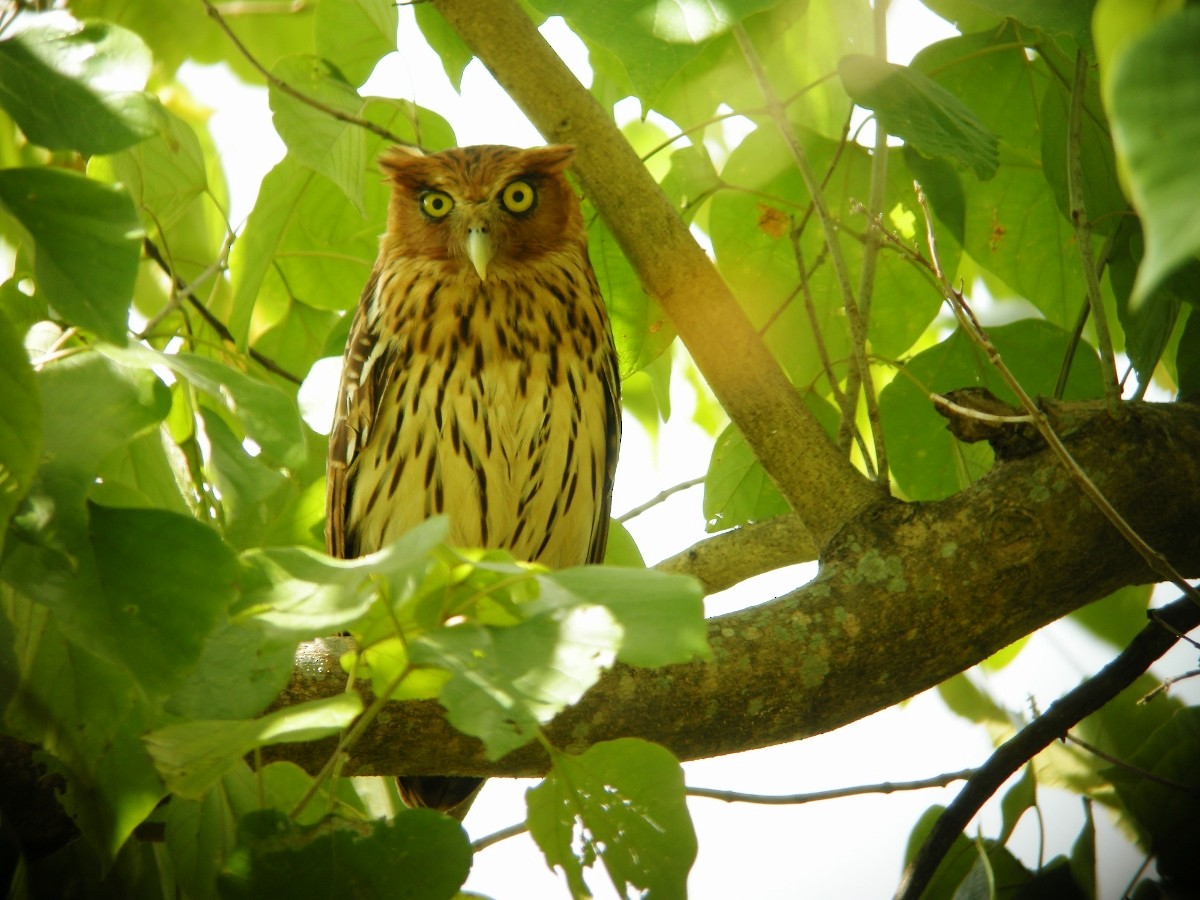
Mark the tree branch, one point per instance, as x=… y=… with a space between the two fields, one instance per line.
x=1151 y=642
x=726 y=559
x=821 y=485
x=908 y=595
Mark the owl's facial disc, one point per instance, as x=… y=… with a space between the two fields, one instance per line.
x=480 y=250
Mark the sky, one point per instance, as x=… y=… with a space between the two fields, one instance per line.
x=843 y=848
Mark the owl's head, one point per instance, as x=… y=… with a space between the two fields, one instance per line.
x=487 y=206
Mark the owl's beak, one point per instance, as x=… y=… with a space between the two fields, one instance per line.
x=480 y=251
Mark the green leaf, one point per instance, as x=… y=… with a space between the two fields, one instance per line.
x=958 y=864
x=1167 y=815
x=141 y=474
x=268 y=413
x=286 y=784
x=1119 y=728
x=183 y=31
x=301 y=594
x=164 y=174
x=166 y=581
x=622 y=802
x=964 y=699
x=444 y=40
x=662 y=615
x=88 y=715
x=966 y=15
x=86 y=242
x=243 y=666
x=84 y=394
x=752 y=231
x=201 y=834
x=1017 y=799
x=1083 y=853
x=1070 y=18
x=621 y=549
x=325 y=144
x=283 y=253
x=419 y=855
x=1103 y=198
x=1188 y=357
x=1012 y=226
x=640 y=328
x=912 y=106
x=1156 y=126
x=1118 y=617
x=250 y=490
x=927 y=462
x=797 y=44
x=78 y=89
x=507 y=681
x=1147 y=323
x=20 y=423
x=192 y=756
x=355 y=34
x=652 y=41
x=737 y=489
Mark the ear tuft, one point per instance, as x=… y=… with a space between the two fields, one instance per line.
x=551 y=158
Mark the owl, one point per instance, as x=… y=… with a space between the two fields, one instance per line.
x=480 y=379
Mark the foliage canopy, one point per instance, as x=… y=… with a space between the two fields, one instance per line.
x=163 y=497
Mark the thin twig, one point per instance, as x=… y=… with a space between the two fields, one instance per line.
x=184 y=291
x=1145 y=775
x=497 y=836
x=1063 y=714
x=1064 y=371
x=858 y=335
x=971 y=326
x=1083 y=239
x=1167 y=683
x=968 y=413
x=659 y=498
x=286 y=88
x=886 y=787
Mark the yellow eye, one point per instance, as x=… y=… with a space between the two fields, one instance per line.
x=436 y=204
x=519 y=197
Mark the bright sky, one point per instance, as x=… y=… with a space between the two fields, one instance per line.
x=843 y=848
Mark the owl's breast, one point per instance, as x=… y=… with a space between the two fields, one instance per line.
x=496 y=414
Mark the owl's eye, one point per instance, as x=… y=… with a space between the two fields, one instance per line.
x=519 y=197
x=436 y=204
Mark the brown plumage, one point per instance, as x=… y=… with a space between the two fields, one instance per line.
x=480 y=378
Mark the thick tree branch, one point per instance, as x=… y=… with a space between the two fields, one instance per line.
x=822 y=486
x=908 y=595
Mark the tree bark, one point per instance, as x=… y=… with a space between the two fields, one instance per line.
x=908 y=594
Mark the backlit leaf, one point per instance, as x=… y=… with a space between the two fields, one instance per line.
x=78 y=88
x=621 y=802
x=86 y=244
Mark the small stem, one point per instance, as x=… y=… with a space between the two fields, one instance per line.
x=185 y=292
x=286 y=88
x=1083 y=239
x=337 y=759
x=1144 y=774
x=659 y=498
x=858 y=333
x=886 y=787
x=497 y=836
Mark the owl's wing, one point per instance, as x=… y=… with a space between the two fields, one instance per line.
x=357 y=402
x=612 y=434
